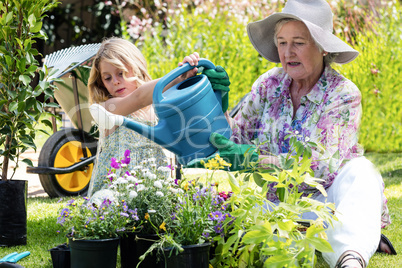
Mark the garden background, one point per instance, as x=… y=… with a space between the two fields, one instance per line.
x=166 y=31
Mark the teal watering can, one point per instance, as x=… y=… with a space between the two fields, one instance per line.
x=188 y=113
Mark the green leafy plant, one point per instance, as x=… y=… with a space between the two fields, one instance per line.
x=20 y=110
x=275 y=235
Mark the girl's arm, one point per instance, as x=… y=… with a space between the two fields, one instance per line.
x=142 y=96
x=136 y=100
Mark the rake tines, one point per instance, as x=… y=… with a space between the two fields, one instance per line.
x=67 y=59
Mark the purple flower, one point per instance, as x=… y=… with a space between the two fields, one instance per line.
x=197 y=196
x=216 y=216
x=124 y=214
x=65 y=212
x=134 y=214
x=205 y=234
x=218 y=228
x=114 y=163
x=217 y=201
x=71 y=202
x=126 y=159
x=170 y=166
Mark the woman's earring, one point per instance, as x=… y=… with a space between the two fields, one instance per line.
x=325 y=54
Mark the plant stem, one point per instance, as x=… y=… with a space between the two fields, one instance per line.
x=6 y=158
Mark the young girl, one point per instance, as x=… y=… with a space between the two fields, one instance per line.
x=119 y=81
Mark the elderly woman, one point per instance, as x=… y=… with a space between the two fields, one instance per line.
x=307 y=96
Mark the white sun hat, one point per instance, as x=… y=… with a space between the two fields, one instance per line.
x=316 y=15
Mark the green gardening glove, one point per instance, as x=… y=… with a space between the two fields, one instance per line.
x=229 y=151
x=219 y=80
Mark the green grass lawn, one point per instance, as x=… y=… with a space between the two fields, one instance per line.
x=42 y=217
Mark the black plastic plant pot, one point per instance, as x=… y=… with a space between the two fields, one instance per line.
x=60 y=256
x=134 y=245
x=194 y=256
x=13 y=212
x=94 y=253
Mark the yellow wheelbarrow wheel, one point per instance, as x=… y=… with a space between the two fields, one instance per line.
x=69 y=154
x=63 y=149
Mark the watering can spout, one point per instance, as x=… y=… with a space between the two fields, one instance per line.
x=108 y=120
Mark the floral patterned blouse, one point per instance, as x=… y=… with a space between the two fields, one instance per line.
x=114 y=146
x=329 y=114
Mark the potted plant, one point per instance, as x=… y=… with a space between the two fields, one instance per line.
x=199 y=216
x=151 y=192
x=275 y=235
x=93 y=228
x=20 y=23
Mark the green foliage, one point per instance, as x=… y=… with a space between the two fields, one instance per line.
x=275 y=235
x=20 y=24
x=223 y=40
x=42 y=216
x=376 y=72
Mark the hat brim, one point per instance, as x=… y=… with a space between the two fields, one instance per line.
x=261 y=34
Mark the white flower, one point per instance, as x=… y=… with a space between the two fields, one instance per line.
x=159 y=193
x=113 y=187
x=140 y=187
x=180 y=191
x=133 y=194
x=130 y=186
x=131 y=178
x=158 y=184
x=99 y=196
x=163 y=169
x=152 y=160
x=123 y=165
x=151 y=211
x=151 y=176
x=135 y=169
x=111 y=176
x=174 y=190
x=121 y=180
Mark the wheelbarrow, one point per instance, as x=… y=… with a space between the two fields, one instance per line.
x=66 y=159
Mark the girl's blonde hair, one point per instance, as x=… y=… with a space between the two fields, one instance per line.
x=123 y=55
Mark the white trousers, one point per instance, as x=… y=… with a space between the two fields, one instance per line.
x=357 y=194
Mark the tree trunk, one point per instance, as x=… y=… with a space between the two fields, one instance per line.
x=5 y=162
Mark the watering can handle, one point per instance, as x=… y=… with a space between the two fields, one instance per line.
x=164 y=81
